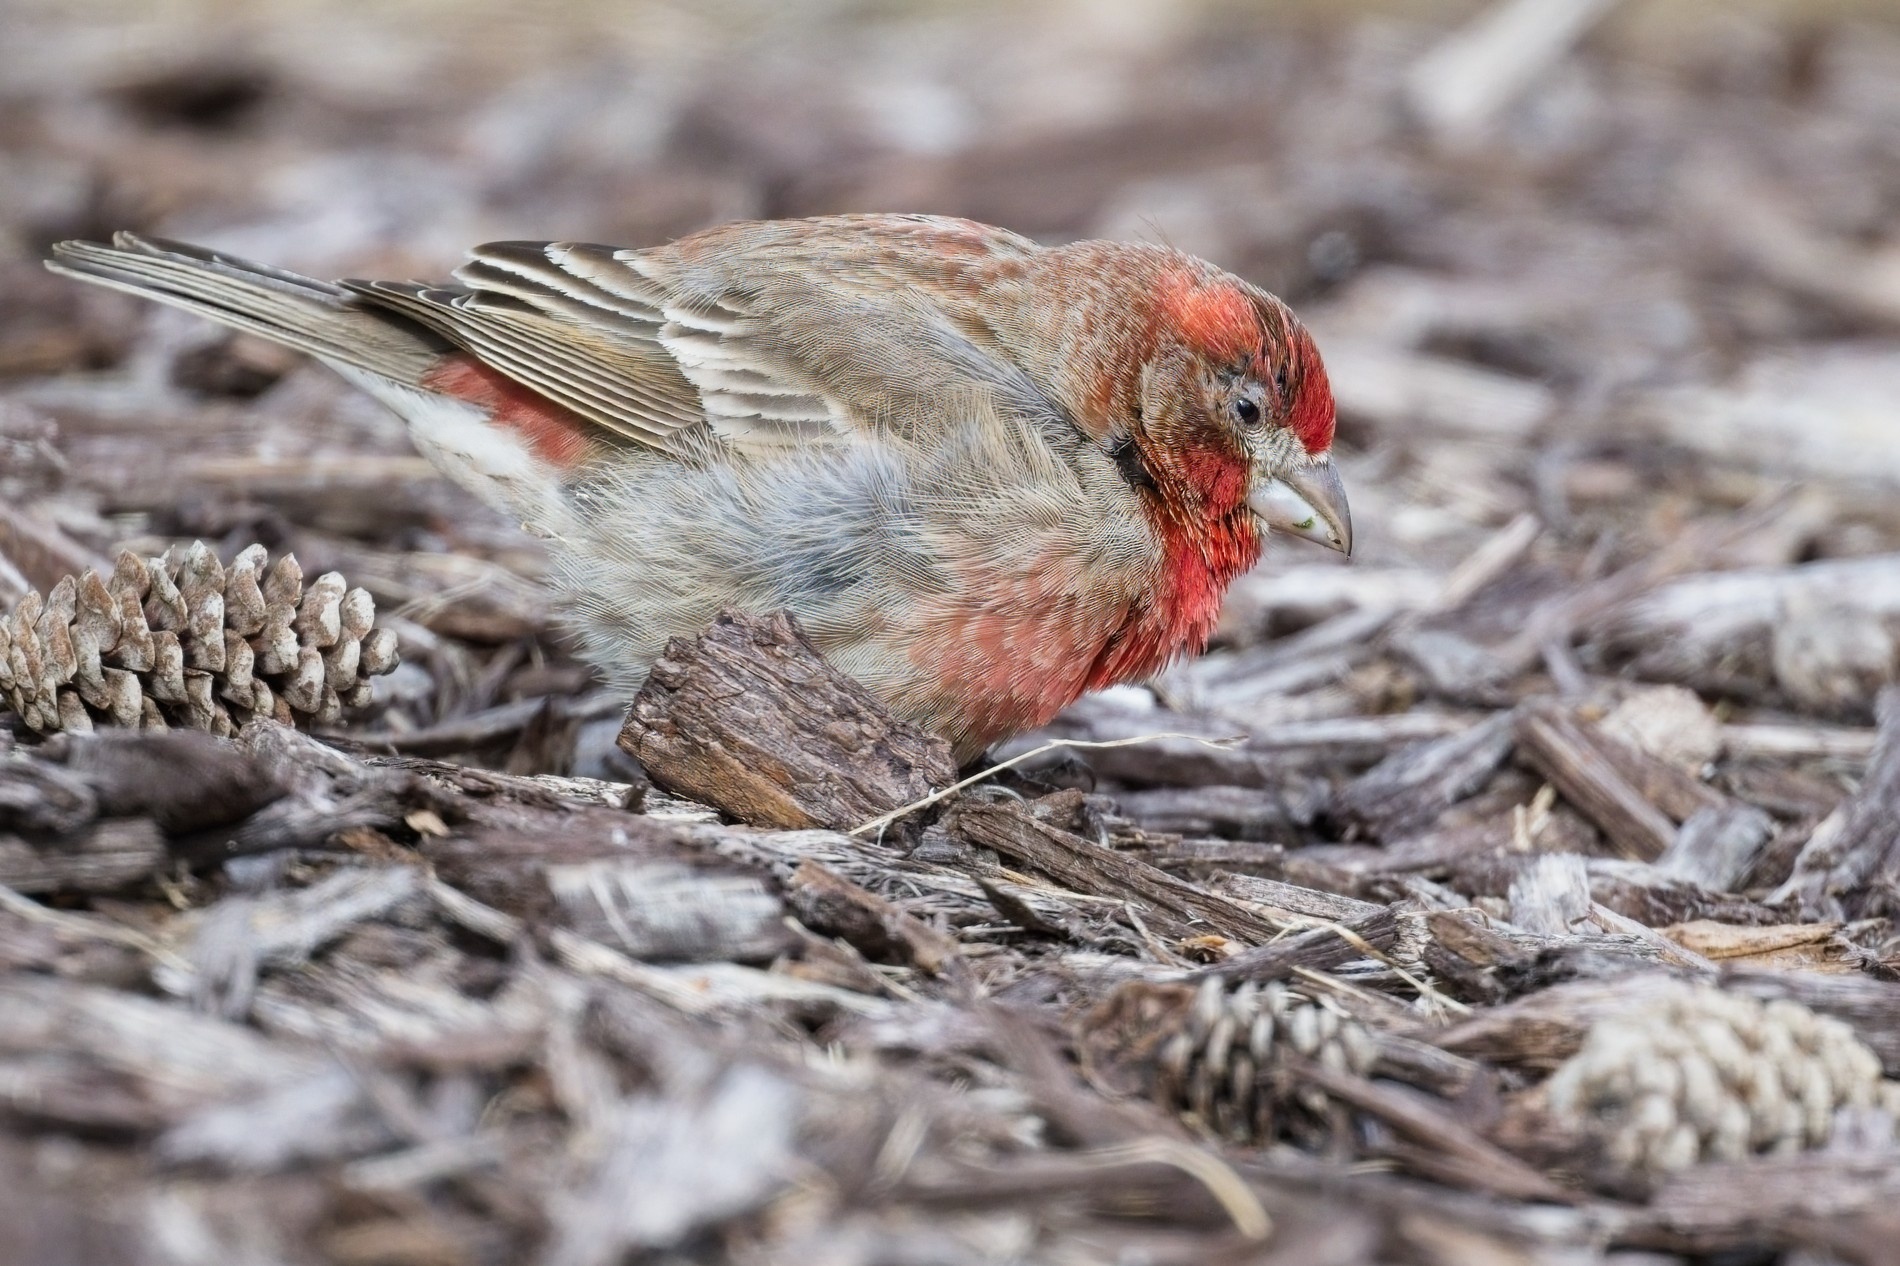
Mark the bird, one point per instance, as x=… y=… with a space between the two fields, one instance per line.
x=986 y=475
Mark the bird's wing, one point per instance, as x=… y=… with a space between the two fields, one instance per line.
x=763 y=335
x=527 y=310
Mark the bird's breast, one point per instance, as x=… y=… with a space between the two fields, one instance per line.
x=1014 y=650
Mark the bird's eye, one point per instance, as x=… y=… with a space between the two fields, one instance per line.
x=1247 y=411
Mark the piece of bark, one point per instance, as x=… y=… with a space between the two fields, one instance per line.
x=39 y=796
x=1801 y=794
x=1177 y=751
x=1321 y=949
x=225 y=945
x=1852 y=859
x=1196 y=857
x=183 y=780
x=1295 y=900
x=1338 y=642
x=1479 y=1163
x=41 y=551
x=1410 y=789
x=1607 y=956
x=96 y=813
x=1463 y=951
x=1551 y=895
x=1653 y=897
x=1499 y=960
x=1557 y=619
x=1669 y=724
x=1733 y=1205
x=102 y=857
x=1669 y=953
x=1794 y=947
x=660 y=911
x=1637 y=890
x=1468 y=934
x=1560 y=749
x=634 y=883
x=1833 y=394
x=1191 y=751
x=1693 y=628
x=1247 y=813
x=1677 y=794
x=1798 y=742
x=832 y=904
x=491 y=725
x=1356 y=738
x=1716 y=847
x=1423 y=1065
x=1762 y=225
x=1188 y=909
x=104 y=1057
x=749 y=718
x=1832 y=660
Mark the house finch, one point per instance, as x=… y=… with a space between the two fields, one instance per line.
x=986 y=475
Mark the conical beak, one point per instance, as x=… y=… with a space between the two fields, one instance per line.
x=1309 y=502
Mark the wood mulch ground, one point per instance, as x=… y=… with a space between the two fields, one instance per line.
x=1522 y=892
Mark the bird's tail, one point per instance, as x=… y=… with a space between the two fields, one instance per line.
x=395 y=359
x=311 y=316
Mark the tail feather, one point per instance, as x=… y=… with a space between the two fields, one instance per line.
x=325 y=320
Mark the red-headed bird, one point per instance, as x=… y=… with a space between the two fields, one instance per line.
x=987 y=476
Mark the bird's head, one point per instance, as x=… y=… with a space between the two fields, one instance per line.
x=1233 y=409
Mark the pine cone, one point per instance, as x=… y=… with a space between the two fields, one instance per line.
x=1216 y=1054
x=1703 y=1075
x=179 y=641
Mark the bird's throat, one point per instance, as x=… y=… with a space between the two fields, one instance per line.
x=1207 y=537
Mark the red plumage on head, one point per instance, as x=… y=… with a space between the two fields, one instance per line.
x=1215 y=318
x=1225 y=322
x=1311 y=416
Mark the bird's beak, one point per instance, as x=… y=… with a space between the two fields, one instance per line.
x=1309 y=502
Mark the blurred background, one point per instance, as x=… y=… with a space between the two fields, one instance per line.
x=1587 y=274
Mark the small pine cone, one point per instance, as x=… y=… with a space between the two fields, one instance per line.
x=1218 y=1055
x=181 y=641
x=1703 y=1075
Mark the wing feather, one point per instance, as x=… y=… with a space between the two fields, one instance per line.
x=762 y=336
x=616 y=379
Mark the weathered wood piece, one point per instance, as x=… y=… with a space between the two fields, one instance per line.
x=1447 y=1145
x=1321 y=949
x=1295 y=899
x=1247 y=813
x=1551 y=895
x=1712 y=629
x=1853 y=856
x=1413 y=787
x=748 y=717
x=1574 y=760
x=832 y=904
x=1189 y=909
x=97 y=813
x=1716 y=847
x=1464 y=951
x=1820 y=1202
x=101 y=857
